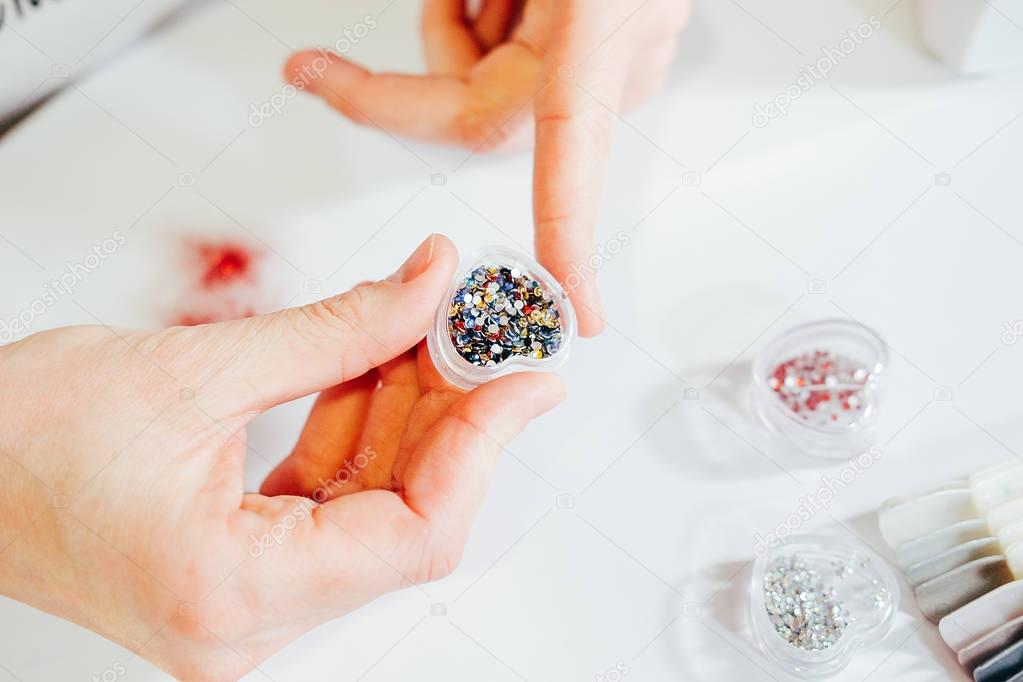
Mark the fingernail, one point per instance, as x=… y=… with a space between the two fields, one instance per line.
x=417 y=263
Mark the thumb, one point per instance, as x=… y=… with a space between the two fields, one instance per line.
x=271 y=359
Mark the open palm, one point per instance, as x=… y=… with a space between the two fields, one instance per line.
x=127 y=513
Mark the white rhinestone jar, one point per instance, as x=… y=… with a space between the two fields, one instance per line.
x=816 y=600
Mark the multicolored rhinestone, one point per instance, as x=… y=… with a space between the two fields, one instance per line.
x=500 y=312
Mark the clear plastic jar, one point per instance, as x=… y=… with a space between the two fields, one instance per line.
x=441 y=339
x=819 y=421
x=856 y=582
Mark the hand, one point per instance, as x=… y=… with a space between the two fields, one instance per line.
x=569 y=66
x=122 y=455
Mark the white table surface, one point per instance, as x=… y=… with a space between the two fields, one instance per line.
x=620 y=528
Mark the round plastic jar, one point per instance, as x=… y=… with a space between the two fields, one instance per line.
x=847 y=577
x=517 y=268
x=841 y=341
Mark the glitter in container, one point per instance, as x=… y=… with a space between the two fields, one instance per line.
x=502 y=313
x=499 y=312
x=816 y=600
x=818 y=386
x=822 y=388
x=804 y=610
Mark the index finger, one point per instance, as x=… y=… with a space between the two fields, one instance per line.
x=573 y=135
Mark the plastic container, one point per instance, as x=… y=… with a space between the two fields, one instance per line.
x=863 y=586
x=841 y=338
x=465 y=374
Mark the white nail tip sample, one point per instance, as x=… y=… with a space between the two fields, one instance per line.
x=1014 y=555
x=950 y=559
x=941 y=540
x=903 y=521
x=960 y=546
x=1004 y=515
x=959 y=484
x=997 y=485
x=987 y=645
x=940 y=596
x=1011 y=534
x=982 y=615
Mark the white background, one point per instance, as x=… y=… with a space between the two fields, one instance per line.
x=730 y=226
x=46 y=42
